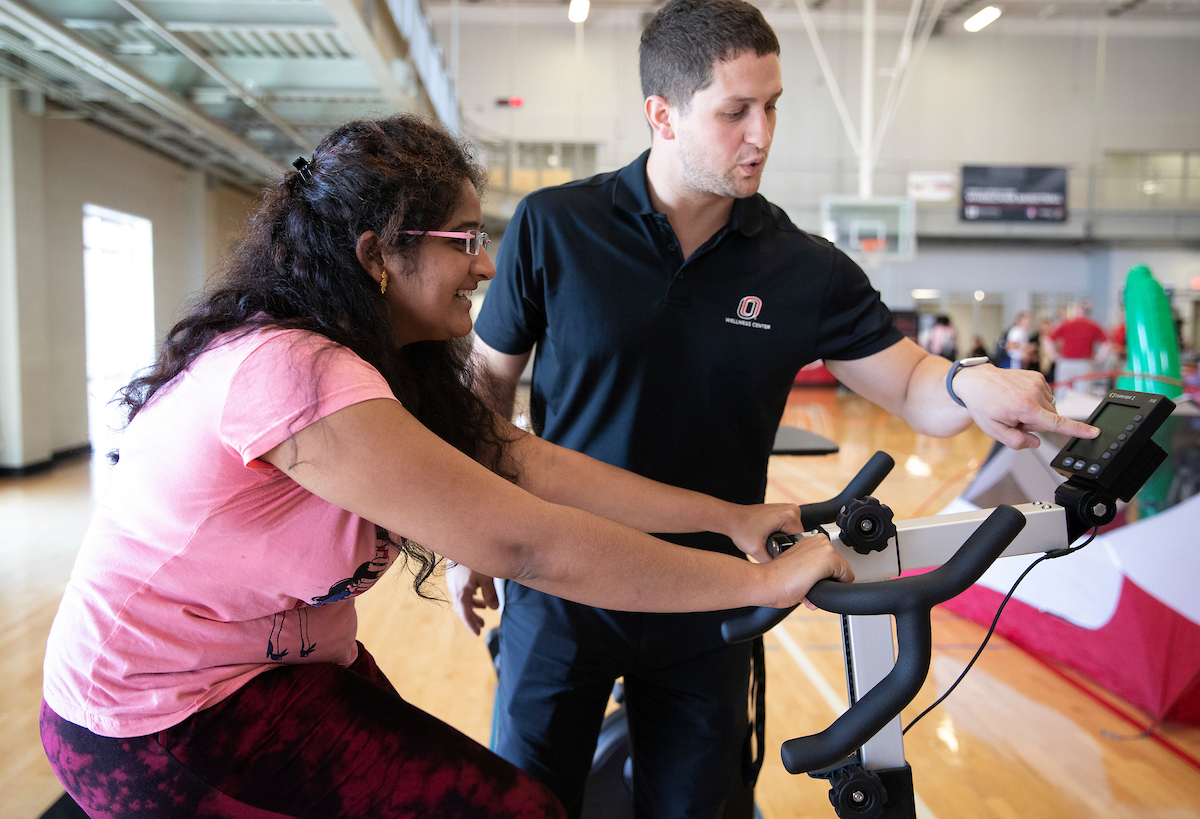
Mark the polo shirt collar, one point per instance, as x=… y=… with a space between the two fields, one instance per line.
x=632 y=194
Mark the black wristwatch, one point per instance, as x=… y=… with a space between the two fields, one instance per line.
x=962 y=362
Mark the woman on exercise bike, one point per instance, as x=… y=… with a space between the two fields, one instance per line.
x=307 y=424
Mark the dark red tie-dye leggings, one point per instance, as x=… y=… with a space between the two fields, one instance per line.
x=298 y=741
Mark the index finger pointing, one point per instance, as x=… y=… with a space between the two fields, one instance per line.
x=1068 y=426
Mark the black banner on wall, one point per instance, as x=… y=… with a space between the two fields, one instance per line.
x=1000 y=193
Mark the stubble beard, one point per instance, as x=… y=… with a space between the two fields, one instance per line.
x=700 y=178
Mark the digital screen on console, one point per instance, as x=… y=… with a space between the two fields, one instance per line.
x=1112 y=421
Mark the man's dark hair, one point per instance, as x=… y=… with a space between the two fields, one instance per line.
x=687 y=37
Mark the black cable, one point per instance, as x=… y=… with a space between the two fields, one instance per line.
x=995 y=620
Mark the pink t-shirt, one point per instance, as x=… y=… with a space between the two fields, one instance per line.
x=204 y=567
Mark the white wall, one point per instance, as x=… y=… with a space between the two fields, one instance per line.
x=1014 y=93
x=25 y=301
x=60 y=166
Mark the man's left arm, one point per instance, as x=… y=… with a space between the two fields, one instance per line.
x=1008 y=405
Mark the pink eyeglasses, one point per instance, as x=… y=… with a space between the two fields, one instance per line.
x=476 y=240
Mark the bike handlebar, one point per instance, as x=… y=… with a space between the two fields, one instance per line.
x=761 y=620
x=908 y=599
x=864 y=483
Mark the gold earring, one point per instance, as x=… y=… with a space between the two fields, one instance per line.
x=383 y=284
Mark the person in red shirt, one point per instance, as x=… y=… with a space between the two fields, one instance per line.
x=1079 y=342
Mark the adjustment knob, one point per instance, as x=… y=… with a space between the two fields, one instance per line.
x=866 y=525
x=857 y=793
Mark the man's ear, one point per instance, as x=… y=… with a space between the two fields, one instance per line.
x=661 y=116
x=369 y=255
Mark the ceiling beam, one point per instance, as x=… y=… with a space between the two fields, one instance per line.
x=237 y=89
x=135 y=130
x=375 y=48
x=36 y=26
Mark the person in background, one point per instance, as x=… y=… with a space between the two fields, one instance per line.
x=1047 y=354
x=1118 y=349
x=309 y=423
x=978 y=348
x=943 y=340
x=1016 y=341
x=1079 y=342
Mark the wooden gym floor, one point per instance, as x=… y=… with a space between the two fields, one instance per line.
x=1018 y=739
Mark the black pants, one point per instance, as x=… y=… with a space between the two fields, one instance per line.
x=686 y=695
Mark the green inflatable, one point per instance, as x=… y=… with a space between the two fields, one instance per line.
x=1153 y=349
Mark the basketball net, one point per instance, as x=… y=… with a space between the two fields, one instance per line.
x=872 y=251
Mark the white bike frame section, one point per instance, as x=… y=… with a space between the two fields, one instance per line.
x=920 y=543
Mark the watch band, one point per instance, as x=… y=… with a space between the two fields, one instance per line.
x=958 y=365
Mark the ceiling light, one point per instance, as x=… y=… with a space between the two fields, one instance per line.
x=982 y=18
x=921 y=294
x=979 y=295
x=578 y=10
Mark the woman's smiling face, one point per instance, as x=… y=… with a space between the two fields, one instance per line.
x=429 y=293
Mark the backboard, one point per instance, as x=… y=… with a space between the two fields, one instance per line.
x=883 y=228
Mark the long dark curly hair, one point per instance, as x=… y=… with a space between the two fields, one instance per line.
x=296 y=268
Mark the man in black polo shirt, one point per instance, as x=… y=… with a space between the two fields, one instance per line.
x=671 y=307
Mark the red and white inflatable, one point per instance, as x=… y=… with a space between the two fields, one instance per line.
x=1125 y=611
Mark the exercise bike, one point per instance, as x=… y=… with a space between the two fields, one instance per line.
x=862 y=753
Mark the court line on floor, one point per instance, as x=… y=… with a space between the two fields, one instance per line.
x=836 y=702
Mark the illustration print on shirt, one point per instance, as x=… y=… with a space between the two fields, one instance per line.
x=364 y=577
x=275 y=649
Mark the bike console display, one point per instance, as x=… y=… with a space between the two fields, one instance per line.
x=1116 y=463
x=1126 y=421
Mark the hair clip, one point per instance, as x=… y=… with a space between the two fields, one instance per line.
x=301 y=165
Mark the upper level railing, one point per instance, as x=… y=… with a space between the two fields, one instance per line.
x=425 y=53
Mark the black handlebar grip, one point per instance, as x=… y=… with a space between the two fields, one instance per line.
x=757 y=622
x=864 y=483
x=761 y=620
x=909 y=599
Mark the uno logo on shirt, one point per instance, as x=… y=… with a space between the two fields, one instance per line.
x=747 y=310
x=749 y=307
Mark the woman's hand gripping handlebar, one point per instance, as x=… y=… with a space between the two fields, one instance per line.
x=761 y=620
x=909 y=600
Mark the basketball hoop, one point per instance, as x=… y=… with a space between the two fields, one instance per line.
x=873 y=231
x=872 y=250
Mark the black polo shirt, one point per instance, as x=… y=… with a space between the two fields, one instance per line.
x=676 y=369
